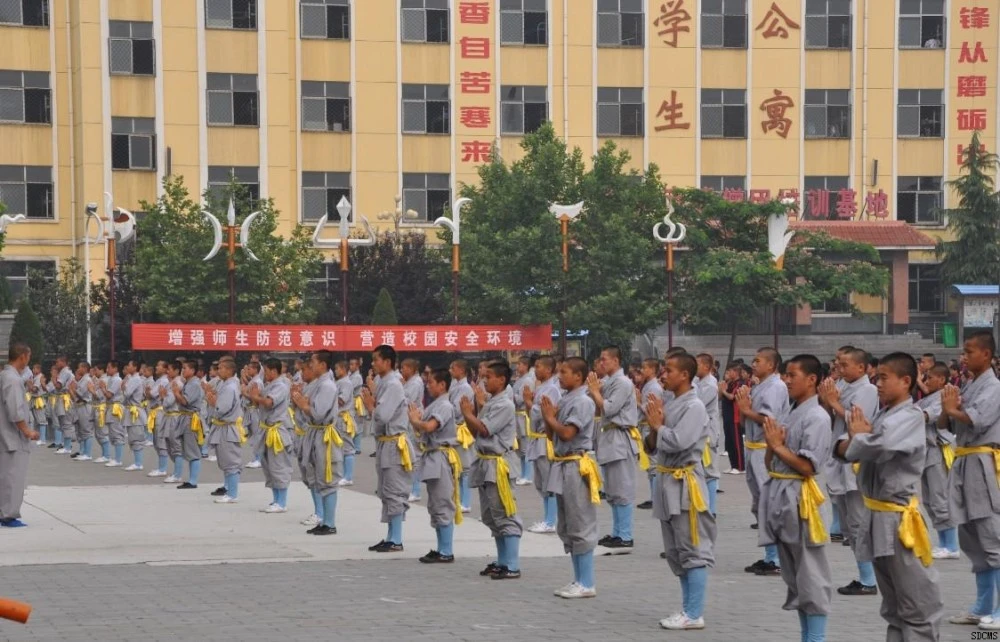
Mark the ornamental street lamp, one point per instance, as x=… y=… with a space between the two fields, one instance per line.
x=565 y=214
x=231 y=229
x=397 y=216
x=455 y=225
x=344 y=242
x=112 y=229
x=778 y=238
x=675 y=233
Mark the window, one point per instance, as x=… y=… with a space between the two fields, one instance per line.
x=27 y=190
x=426 y=109
x=232 y=99
x=724 y=24
x=231 y=14
x=131 y=48
x=925 y=288
x=427 y=194
x=722 y=183
x=523 y=22
x=522 y=109
x=919 y=200
x=620 y=23
x=321 y=192
x=828 y=113
x=17 y=272
x=822 y=196
x=25 y=97
x=619 y=111
x=921 y=24
x=835 y=305
x=321 y=286
x=329 y=19
x=219 y=179
x=425 y=20
x=28 y=13
x=921 y=113
x=133 y=143
x=326 y=106
x=828 y=24
x=723 y=113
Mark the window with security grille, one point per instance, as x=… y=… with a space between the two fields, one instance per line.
x=828 y=113
x=231 y=14
x=232 y=100
x=723 y=113
x=25 y=13
x=429 y=195
x=920 y=113
x=523 y=22
x=620 y=23
x=326 y=106
x=330 y=19
x=321 y=192
x=926 y=289
x=828 y=187
x=424 y=20
x=27 y=190
x=722 y=183
x=724 y=24
x=921 y=24
x=523 y=109
x=220 y=179
x=133 y=143
x=619 y=111
x=426 y=109
x=323 y=284
x=25 y=97
x=131 y=48
x=828 y=24
x=919 y=200
x=18 y=272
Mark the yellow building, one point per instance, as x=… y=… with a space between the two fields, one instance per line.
x=857 y=107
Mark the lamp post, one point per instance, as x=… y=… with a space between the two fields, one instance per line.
x=675 y=233
x=231 y=230
x=112 y=229
x=564 y=214
x=397 y=216
x=455 y=225
x=344 y=242
x=778 y=238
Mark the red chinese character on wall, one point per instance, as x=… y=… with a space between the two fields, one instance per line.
x=671 y=111
x=673 y=20
x=775 y=108
x=474 y=48
x=760 y=195
x=476 y=151
x=474 y=13
x=789 y=193
x=962 y=153
x=777 y=23
x=974 y=17
x=847 y=205
x=474 y=117
x=733 y=194
x=818 y=203
x=974 y=55
x=971 y=120
x=475 y=82
x=971 y=86
x=877 y=204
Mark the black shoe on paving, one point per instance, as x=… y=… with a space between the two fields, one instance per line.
x=754 y=526
x=646 y=505
x=719 y=491
x=219 y=492
x=506 y=574
x=617 y=542
x=186 y=486
x=753 y=568
x=836 y=537
x=372 y=455
x=663 y=555
x=324 y=530
x=389 y=547
x=857 y=588
x=604 y=540
x=434 y=557
x=768 y=568
x=375 y=547
x=55 y=445
x=74 y=455
x=846 y=542
x=491 y=569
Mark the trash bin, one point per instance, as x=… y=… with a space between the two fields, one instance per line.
x=949 y=335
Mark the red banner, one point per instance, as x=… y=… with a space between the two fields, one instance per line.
x=349 y=338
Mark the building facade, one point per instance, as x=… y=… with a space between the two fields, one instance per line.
x=857 y=108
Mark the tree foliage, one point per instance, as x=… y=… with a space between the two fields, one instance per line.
x=28 y=329
x=384 y=312
x=62 y=302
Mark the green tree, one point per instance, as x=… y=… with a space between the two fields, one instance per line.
x=384 y=312
x=175 y=284
x=973 y=257
x=62 y=302
x=28 y=329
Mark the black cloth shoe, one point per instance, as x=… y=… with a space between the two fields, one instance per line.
x=372 y=455
x=719 y=491
x=754 y=526
x=506 y=574
x=604 y=540
x=663 y=555
x=491 y=569
x=836 y=537
x=857 y=588
x=55 y=445
x=434 y=557
x=753 y=568
x=617 y=542
x=219 y=492
x=768 y=568
x=323 y=530
x=646 y=505
x=846 y=542
x=187 y=486
x=389 y=547
x=375 y=547
x=312 y=531
x=74 y=455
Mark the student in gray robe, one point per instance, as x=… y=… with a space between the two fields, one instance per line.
x=974 y=416
x=649 y=378
x=228 y=433
x=188 y=430
x=157 y=396
x=769 y=398
x=678 y=439
x=413 y=390
x=393 y=450
x=274 y=449
x=790 y=499
x=540 y=447
x=51 y=399
x=114 y=417
x=940 y=457
x=64 y=406
x=322 y=456
x=857 y=391
x=894 y=534
x=347 y=419
x=460 y=389
x=251 y=413
x=83 y=411
x=521 y=383
x=173 y=414
x=15 y=436
x=440 y=466
x=574 y=477
x=618 y=445
x=495 y=468
x=38 y=405
x=97 y=386
x=707 y=387
x=360 y=412
x=134 y=414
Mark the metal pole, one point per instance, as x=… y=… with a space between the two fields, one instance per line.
x=86 y=280
x=455 y=267
x=670 y=295
x=564 y=224
x=112 y=259
x=774 y=321
x=344 y=267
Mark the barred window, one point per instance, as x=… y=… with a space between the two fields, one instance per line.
x=25 y=97
x=426 y=109
x=329 y=19
x=231 y=14
x=131 y=48
x=18 y=272
x=828 y=24
x=523 y=22
x=723 y=113
x=522 y=109
x=921 y=24
x=724 y=24
x=26 y=13
x=828 y=113
x=326 y=106
x=133 y=143
x=232 y=99
x=427 y=194
x=919 y=199
x=828 y=187
x=619 y=111
x=424 y=20
x=620 y=23
x=921 y=113
x=722 y=183
x=926 y=289
x=27 y=190
x=219 y=179
x=321 y=192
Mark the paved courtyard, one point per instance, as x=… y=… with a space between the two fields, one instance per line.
x=111 y=556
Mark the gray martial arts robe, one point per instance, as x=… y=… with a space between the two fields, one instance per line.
x=316 y=451
x=302 y=421
x=460 y=388
x=38 y=415
x=389 y=420
x=934 y=482
x=413 y=390
x=345 y=404
x=435 y=469
x=576 y=523
x=708 y=391
x=975 y=495
x=804 y=566
x=616 y=450
x=679 y=444
x=64 y=405
x=536 y=450
x=277 y=466
x=116 y=427
x=192 y=392
x=522 y=414
x=132 y=396
x=769 y=398
x=225 y=434
x=83 y=408
x=499 y=418
x=359 y=382
x=15 y=447
x=162 y=424
x=651 y=387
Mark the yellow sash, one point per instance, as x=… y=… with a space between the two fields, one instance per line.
x=755 y=445
x=199 y=430
x=27 y=397
x=809 y=502
x=53 y=400
x=331 y=438
x=636 y=436
x=706 y=456
x=695 y=497
x=67 y=402
x=101 y=410
x=549 y=450
x=589 y=472
x=298 y=431
x=133 y=413
x=151 y=419
x=503 y=483
x=856 y=467
x=359 y=406
x=39 y=403
x=912 y=529
x=404 y=449
x=965 y=451
x=348 y=422
x=272 y=438
x=456 y=472
x=948 y=452
x=117 y=411
x=464 y=436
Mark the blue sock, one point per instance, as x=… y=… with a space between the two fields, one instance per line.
x=771 y=553
x=615 y=520
x=948 y=538
x=834 y=524
x=685 y=592
x=586 y=565
x=59 y=437
x=396 y=529
x=161 y=463
x=330 y=510
x=137 y=456
x=551 y=510
x=274 y=495
x=866 y=573
x=88 y=444
x=625 y=522
x=464 y=492
x=995 y=575
x=576 y=568
x=816 y=627
x=446 y=537
x=67 y=443
x=194 y=471
x=803 y=626
x=357 y=442
x=713 y=486
x=119 y=452
x=349 y=467
x=415 y=486
x=527 y=470
x=697 y=580
x=984 y=593
x=106 y=450
x=232 y=483
x=281 y=497
x=501 y=551
x=512 y=547
x=317 y=503
x=178 y=466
